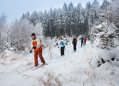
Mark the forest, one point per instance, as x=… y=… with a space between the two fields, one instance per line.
x=69 y=21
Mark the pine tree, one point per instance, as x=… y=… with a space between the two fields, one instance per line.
x=34 y=19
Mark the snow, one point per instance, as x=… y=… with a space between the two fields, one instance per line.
x=99 y=26
x=74 y=69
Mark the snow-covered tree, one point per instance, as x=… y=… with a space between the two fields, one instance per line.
x=38 y=30
x=104 y=35
x=105 y=4
x=3 y=29
x=34 y=19
x=20 y=32
x=114 y=14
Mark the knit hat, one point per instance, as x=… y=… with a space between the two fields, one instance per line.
x=33 y=34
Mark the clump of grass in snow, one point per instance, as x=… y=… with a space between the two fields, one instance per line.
x=14 y=58
x=49 y=79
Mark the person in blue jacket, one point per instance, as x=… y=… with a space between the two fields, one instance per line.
x=62 y=46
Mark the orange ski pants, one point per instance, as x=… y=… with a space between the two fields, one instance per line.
x=36 y=54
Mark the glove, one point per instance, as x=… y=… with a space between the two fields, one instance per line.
x=34 y=47
x=30 y=51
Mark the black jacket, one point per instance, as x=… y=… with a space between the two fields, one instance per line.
x=82 y=39
x=74 y=41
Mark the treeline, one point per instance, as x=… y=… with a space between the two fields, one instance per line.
x=68 y=20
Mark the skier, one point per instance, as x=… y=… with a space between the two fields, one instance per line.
x=74 y=42
x=36 y=45
x=85 y=41
x=62 y=46
x=82 y=40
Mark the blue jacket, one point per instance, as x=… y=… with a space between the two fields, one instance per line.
x=82 y=39
x=62 y=43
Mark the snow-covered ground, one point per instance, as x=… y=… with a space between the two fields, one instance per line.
x=73 y=69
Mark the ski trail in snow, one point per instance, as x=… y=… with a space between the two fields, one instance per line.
x=75 y=66
x=55 y=64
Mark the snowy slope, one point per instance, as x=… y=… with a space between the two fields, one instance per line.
x=73 y=69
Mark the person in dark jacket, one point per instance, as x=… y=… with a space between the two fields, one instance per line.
x=74 y=42
x=82 y=39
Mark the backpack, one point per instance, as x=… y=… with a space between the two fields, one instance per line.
x=62 y=43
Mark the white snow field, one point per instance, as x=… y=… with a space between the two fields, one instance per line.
x=74 y=69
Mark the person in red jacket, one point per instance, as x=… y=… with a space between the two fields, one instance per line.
x=85 y=41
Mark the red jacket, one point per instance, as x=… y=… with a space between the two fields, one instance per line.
x=85 y=40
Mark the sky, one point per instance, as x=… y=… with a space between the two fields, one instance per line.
x=14 y=9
